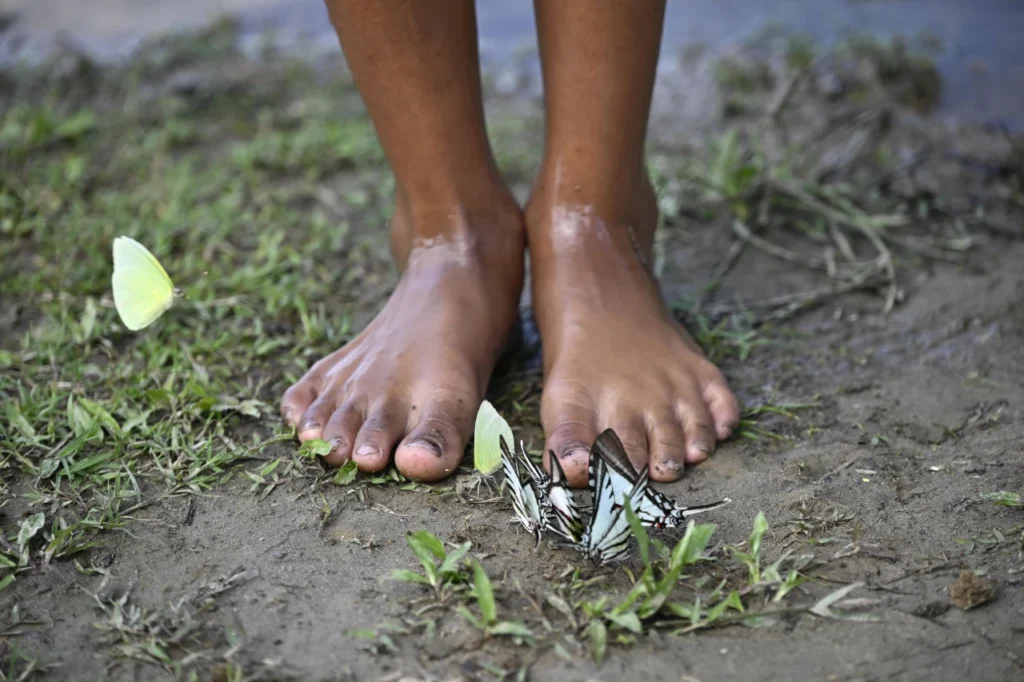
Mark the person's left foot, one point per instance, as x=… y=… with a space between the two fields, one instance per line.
x=613 y=355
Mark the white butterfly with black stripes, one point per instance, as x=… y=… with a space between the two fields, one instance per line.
x=558 y=510
x=527 y=499
x=564 y=516
x=655 y=509
x=606 y=537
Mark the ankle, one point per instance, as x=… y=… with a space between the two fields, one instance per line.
x=563 y=209
x=486 y=222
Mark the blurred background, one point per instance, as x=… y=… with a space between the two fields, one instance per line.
x=978 y=44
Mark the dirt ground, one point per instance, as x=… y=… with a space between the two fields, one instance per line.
x=910 y=417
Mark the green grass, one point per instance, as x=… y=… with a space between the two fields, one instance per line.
x=248 y=195
x=263 y=191
x=683 y=588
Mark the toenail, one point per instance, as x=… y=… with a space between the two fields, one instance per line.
x=574 y=453
x=309 y=426
x=700 y=449
x=428 y=444
x=337 y=444
x=673 y=466
x=289 y=416
x=366 y=450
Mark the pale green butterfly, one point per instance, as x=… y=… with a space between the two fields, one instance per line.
x=143 y=291
x=490 y=426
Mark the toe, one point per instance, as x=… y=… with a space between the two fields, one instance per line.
x=698 y=429
x=314 y=419
x=340 y=432
x=296 y=400
x=434 y=447
x=667 y=447
x=571 y=427
x=378 y=436
x=723 y=405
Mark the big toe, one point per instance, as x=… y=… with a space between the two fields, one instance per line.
x=571 y=429
x=434 y=447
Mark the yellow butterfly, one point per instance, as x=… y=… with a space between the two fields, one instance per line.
x=489 y=427
x=143 y=291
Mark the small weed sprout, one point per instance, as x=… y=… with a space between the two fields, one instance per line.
x=442 y=571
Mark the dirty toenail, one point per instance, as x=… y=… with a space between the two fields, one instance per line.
x=289 y=416
x=673 y=466
x=700 y=449
x=573 y=453
x=428 y=444
x=337 y=444
x=309 y=426
x=366 y=450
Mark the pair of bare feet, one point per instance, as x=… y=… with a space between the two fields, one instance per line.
x=410 y=384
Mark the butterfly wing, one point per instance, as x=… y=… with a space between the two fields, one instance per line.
x=607 y=535
x=537 y=475
x=680 y=513
x=564 y=518
x=610 y=448
x=142 y=289
x=616 y=467
x=616 y=540
x=655 y=509
x=525 y=501
x=130 y=252
x=603 y=503
x=489 y=427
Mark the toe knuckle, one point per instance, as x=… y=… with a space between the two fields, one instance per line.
x=569 y=428
x=701 y=425
x=440 y=424
x=633 y=443
x=376 y=425
x=668 y=445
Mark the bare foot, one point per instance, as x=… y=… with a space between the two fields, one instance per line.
x=411 y=382
x=613 y=355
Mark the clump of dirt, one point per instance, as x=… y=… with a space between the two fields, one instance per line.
x=970 y=591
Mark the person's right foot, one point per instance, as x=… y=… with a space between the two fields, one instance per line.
x=412 y=381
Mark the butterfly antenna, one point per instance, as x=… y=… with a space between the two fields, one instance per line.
x=697 y=509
